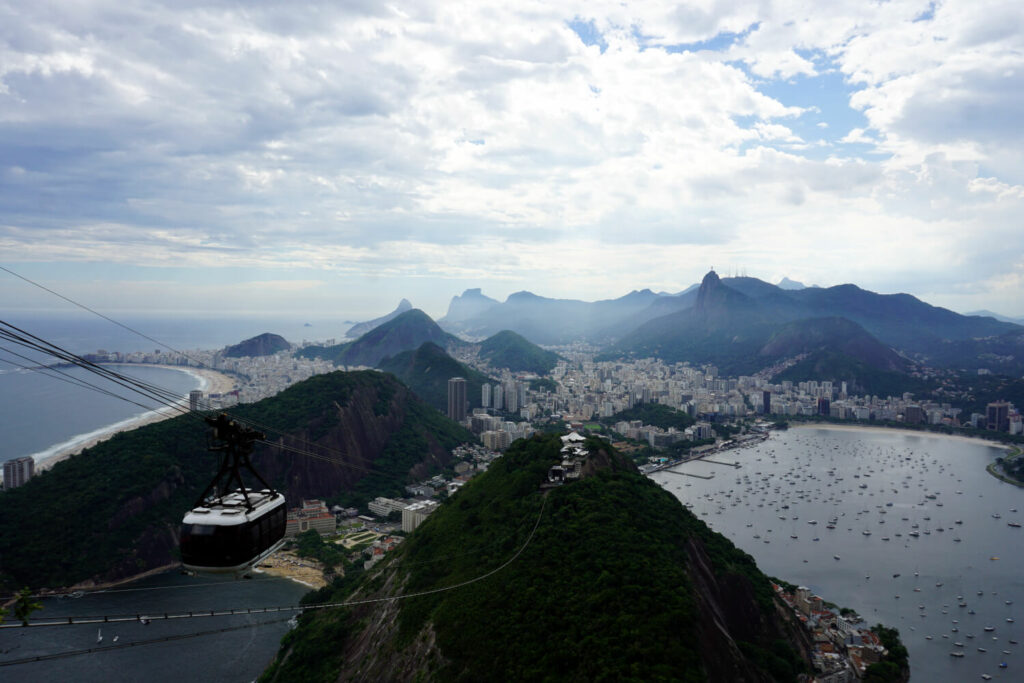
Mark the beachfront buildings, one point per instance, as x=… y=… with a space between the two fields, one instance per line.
x=313 y=514
x=18 y=471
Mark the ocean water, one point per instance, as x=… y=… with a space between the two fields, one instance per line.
x=83 y=332
x=232 y=656
x=40 y=414
x=880 y=485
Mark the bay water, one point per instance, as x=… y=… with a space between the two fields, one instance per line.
x=922 y=539
x=233 y=649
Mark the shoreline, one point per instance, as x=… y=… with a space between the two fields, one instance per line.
x=210 y=381
x=914 y=432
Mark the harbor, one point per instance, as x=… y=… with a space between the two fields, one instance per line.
x=907 y=529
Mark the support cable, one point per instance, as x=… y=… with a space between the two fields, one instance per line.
x=194 y=614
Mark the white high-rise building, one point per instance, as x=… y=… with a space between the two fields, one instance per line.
x=18 y=471
x=485 y=395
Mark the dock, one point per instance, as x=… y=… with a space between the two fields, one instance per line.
x=690 y=474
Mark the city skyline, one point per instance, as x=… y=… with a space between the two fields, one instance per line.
x=329 y=158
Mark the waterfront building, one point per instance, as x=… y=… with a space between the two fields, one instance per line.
x=998 y=416
x=914 y=414
x=312 y=515
x=18 y=471
x=824 y=405
x=195 y=399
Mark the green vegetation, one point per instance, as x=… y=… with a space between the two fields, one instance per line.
x=862 y=378
x=427 y=370
x=265 y=344
x=310 y=544
x=406 y=332
x=24 y=606
x=509 y=350
x=653 y=414
x=895 y=667
x=543 y=384
x=592 y=600
x=108 y=511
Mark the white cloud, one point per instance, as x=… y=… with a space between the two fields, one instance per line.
x=436 y=140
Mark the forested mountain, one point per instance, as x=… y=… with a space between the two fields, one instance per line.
x=406 y=332
x=427 y=370
x=113 y=511
x=509 y=350
x=265 y=344
x=605 y=578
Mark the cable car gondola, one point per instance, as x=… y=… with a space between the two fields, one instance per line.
x=231 y=527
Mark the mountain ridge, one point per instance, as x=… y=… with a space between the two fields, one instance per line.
x=359 y=329
x=575 y=597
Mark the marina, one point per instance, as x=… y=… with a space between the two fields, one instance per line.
x=917 y=512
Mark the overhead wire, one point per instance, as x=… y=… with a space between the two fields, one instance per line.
x=173 y=401
x=134 y=643
x=59 y=374
x=198 y=363
x=156 y=393
x=195 y=614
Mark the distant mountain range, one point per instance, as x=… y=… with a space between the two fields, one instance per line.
x=540 y=319
x=359 y=329
x=743 y=324
x=740 y=324
x=997 y=316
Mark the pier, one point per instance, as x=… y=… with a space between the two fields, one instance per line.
x=690 y=474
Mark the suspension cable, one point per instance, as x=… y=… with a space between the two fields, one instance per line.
x=194 y=614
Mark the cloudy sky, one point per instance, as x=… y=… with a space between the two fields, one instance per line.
x=330 y=157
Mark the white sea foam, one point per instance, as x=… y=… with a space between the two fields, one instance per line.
x=79 y=440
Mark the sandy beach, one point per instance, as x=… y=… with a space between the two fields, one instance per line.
x=288 y=565
x=916 y=432
x=210 y=382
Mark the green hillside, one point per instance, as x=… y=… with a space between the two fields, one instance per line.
x=265 y=344
x=509 y=350
x=653 y=414
x=405 y=332
x=427 y=370
x=618 y=582
x=114 y=510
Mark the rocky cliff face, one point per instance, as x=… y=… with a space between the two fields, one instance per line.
x=353 y=433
